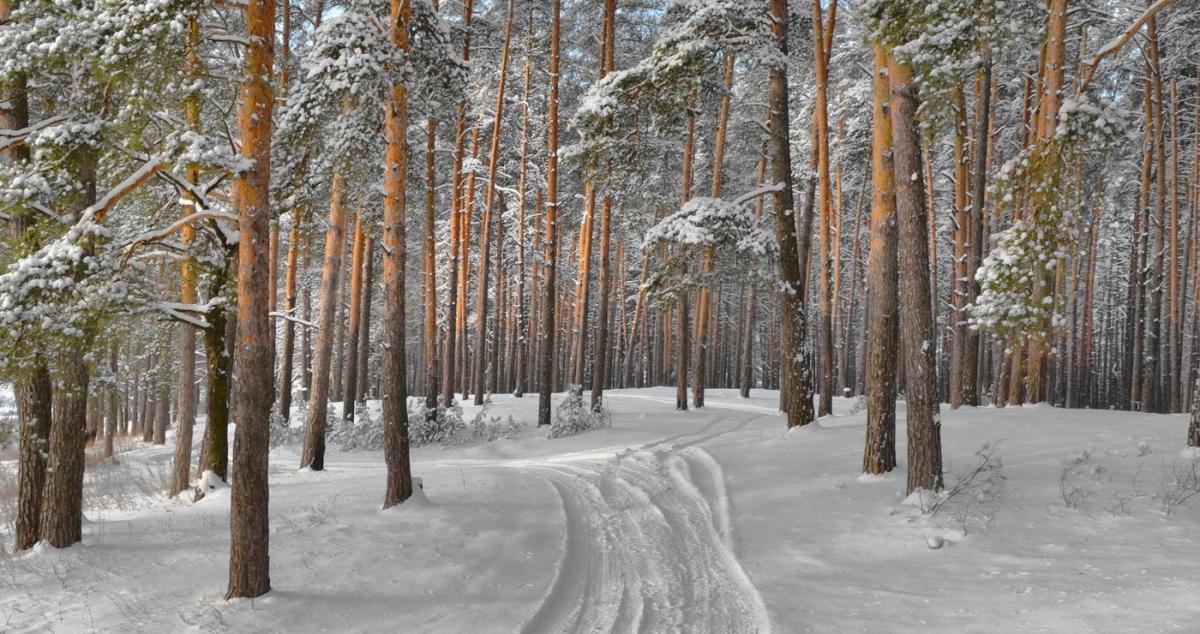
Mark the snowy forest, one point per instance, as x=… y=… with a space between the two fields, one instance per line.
x=599 y=315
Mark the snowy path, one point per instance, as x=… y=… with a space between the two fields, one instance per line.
x=648 y=544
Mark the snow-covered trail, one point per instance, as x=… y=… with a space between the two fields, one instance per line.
x=648 y=547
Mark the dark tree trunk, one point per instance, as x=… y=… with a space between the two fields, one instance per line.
x=62 y=501
x=917 y=336
x=797 y=397
x=33 y=392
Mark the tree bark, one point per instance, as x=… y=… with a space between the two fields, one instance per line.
x=600 y=355
x=879 y=455
x=485 y=227
x=249 y=573
x=825 y=211
x=350 y=387
x=399 y=486
x=313 y=454
x=917 y=337
x=452 y=343
x=546 y=369
x=797 y=397
x=62 y=497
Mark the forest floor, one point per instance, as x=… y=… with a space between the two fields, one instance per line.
x=712 y=520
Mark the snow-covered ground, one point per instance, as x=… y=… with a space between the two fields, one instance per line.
x=704 y=521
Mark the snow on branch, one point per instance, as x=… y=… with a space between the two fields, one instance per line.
x=10 y=138
x=159 y=234
x=187 y=313
x=292 y=319
x=101 y=207
x=1123 y=39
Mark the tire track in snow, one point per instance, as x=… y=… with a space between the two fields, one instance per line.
x=648 y=547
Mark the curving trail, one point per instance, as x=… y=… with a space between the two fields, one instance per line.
x=648 y=545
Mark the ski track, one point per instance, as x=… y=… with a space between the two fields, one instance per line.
x=648 y=545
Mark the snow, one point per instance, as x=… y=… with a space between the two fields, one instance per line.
x=711 y=520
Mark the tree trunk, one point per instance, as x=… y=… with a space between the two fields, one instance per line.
x=879 y=455
x=350 y=388
x=249 y=574
x=825 y=211
x=215 y=452
x=32 y=387
x=313 y=454
x=546 y=370
x=970 y=380
x=522 y=342
x=600 y=356
x=364 y=321
x=704 y=305
x=797 y=398
x=33 y=391
x=62 y=498
x=485 y=227
x=399 y=485
x=917 y=337
x=430 y=356
x=457 y=213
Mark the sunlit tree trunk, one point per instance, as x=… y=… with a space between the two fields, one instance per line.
x=704 y=303
x=430 y=350
x=485 y=226
x=249 y=574
x=549 y=266
x=600 y=356
x=313 y=453
x=450 y=348
x=399 y=486
x=879 y=455
x=350 y=385
x=824 y=210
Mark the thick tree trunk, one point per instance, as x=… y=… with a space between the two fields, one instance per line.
x=879 y=455
x=797 y=397
x=33 y=394
x=249 y=574
x=32 y=386
x=917 y=337
x=62 y=499
x=399 y=486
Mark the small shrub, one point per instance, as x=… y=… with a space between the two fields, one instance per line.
x=574 y=417
x=1073 y=484
x=974 y=494
x=1179 y=483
